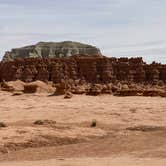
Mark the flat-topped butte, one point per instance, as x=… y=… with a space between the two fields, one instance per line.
x=51 y=50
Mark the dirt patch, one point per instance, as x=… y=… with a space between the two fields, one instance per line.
x=45 y=122
x=48 y=134
x=41 y=141
x=145 y=128
x=125 y=125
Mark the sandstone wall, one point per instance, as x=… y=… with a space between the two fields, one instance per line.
x=90 y=69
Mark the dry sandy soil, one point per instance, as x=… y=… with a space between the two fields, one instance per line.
x=129 y=130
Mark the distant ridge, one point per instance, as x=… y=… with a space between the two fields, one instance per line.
x=52 y=49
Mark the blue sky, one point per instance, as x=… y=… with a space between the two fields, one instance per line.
x=117 y=27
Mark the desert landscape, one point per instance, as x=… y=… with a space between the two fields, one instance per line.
x=80 y=109
x=83 y=130
x=82 y=83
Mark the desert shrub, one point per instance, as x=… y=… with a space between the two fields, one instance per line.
x=93 y=123
x=45 y=122
x=145 y=128
x=2 y=124
x=133 y=110
x=39 y=122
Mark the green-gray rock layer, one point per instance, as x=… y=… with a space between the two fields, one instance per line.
x=52 y=49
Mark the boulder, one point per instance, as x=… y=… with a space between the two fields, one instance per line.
x=107 y=89
x=79 y=89
x=96 y=89
x=12 y=86
x=68 y=95
x=38 y=87
x=60 y=89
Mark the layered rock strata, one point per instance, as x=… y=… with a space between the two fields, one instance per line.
x=52 y=50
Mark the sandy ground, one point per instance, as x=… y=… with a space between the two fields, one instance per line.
x=129 y=131
x=116 y=161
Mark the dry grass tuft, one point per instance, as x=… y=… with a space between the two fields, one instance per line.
x=133 y=110
x=93 y=123
x=2 y=124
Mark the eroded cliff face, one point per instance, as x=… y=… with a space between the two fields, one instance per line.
x=90 y=69
x=52 y=50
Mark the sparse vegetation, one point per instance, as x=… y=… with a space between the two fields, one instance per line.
x=144 y=128
x=133 y=110
x=93 y=123
x=39 y=122
x=45 y=122
x=2 y=124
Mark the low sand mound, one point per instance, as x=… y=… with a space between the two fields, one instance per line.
x=38 y=87
x=154 y=92
x=136 y=92
x=51 y=134
x=95 y=90
x=129 y=92
x=145 y=128
x=13 y=86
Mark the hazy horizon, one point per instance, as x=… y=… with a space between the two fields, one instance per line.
x=119 y=28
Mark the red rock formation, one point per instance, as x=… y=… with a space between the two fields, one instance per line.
x=80 y=70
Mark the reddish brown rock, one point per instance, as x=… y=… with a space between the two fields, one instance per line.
x=68 y=95
x=12 y=86
x=38 y=87
x=96 y=89
x=84 y=70
x=154 y=92
x=79 y=89
x=129 y=92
